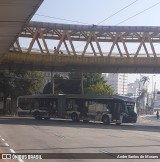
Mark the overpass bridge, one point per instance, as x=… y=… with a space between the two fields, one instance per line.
x=68 y=47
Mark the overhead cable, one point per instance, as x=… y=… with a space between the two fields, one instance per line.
x=138 y=13
x=62 y=19
x=117 y=12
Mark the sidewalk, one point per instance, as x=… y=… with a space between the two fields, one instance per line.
x=148 y=118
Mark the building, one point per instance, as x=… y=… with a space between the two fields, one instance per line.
x=134 y=88
x=118 y=81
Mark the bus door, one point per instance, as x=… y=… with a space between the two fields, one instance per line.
x=91 y=107
x=117 y=108
x=53 y=107
x=61 y=106
x=101 y=109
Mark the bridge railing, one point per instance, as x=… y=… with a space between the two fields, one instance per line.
x=78 y=53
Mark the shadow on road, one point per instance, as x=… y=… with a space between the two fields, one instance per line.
x=69 y=123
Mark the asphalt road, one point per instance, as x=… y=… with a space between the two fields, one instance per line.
x=27 y=135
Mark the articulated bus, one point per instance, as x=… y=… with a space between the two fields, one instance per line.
x=107 y=109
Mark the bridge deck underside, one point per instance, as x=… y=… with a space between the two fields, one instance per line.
x=60 y=63
x=14 y=15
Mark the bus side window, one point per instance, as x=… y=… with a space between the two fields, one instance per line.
x=107 y=107
x=70 y=105
x=41 y=103
x=92 y=106
x=22 y=103
x=116 y=112
x=36 y=104
x=115 y=107
x=75 y=106
x=85 y=110
x=54 y=104
x=121 y=108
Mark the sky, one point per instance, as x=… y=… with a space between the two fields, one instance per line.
x=104 y=12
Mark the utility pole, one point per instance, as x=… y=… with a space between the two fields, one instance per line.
x=140 y=85
x=152 y=84
x=153 y=94
x=82 y=85
x=123 y=82
x=52 y=82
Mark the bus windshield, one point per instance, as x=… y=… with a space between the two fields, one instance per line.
x=130 y=107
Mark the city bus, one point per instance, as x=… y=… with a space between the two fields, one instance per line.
x=107 y=109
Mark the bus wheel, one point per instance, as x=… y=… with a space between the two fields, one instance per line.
x=37 y=115
x=74 y=117
x=106 y=120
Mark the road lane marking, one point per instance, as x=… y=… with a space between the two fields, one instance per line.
x=12 y=151
x=6 y=144
x=20 y=160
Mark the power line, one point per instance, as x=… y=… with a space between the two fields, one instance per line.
x=106 y=18
x=80 y=22
x=75 y=21
x=138 y=13
x=117 y=12
x=112 y=16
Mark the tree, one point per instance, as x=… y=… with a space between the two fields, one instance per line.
x=99 y=88
x=145 y=80
x=27 y=82
x=16 y=83
x=143 y=93
x=93 y=78
x=48 y=88
x=72 y=84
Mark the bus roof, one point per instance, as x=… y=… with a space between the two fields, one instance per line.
x=78 y=96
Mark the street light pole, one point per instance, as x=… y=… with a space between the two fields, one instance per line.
x=82 y=85
x=123 y=82
x=140 y=85
x=152 y=84
x=52 y=82
x=152 y=94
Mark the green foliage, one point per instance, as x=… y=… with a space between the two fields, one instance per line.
x=17 y=83
x=92 y=78
x=99 y=88
x=93 y=83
